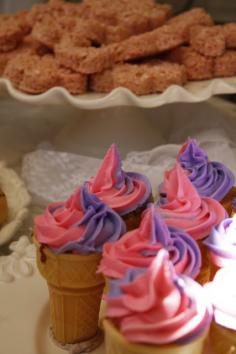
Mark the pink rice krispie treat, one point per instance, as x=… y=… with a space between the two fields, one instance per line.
x=75 y=83
x=93 y=60
x=188 y=19
x=126 y=18
x=229 y=31
x=147 y=44
x=85 y=60
x=55 y=9
x=12 y=32
x=208 y=41
x=198 y=67
x=225 y=65
x=34 y=74
x=141 y=79
x=17 y=65
x=47 y=31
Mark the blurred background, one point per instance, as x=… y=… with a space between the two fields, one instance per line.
x=221 y=10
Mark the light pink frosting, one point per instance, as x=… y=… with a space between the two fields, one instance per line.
x=122 y=191
x=185 y=209
x=156 y=307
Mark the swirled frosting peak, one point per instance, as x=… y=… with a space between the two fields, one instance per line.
x=122 y=191
x=210 y=178
x=138 y=248
x=183 y=207
x=81 y=224
x=157 y=307
x=222 y=294
x=222 y=243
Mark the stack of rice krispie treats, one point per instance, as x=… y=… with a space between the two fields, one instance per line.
x=99 y=45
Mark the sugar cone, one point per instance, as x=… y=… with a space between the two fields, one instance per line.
x=75 y=291
x=116 y=344
x=205 y=272
x=222 y=340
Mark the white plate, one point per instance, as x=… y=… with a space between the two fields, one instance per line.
x=18 y=200
x=192 y=92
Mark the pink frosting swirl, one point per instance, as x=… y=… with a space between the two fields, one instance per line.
x=138 y=248
x=145 y=312
x=122 y=191
x=184 y=208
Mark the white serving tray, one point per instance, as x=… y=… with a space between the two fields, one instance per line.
x=192 y=92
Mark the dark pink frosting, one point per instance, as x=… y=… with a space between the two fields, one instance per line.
x=182 y=207
x=122 y=191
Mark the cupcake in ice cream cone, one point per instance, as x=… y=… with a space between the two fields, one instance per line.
x=128 y=193
x=69 y=237
x=222 y=245
x=210 y=178
x=139 y=247
x=184 y=208
x=222 y=294
x=155 y=311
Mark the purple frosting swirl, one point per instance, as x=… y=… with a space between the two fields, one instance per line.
x=82 y=224
x=222 y=240
x=210 y=178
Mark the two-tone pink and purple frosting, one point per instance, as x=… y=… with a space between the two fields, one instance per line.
x=210 y=178
x=123 y=191
x=138 y=248
x=157 y=307
x=222 y=243
x=81 y=224
x=184 y=208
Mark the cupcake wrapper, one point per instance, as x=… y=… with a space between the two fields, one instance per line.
x=222 y=340
x=75 y=292
x=117 y=344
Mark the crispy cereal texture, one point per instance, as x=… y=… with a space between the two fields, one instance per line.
x=198 y=67
x=225 y=65
x=141 y=79
x=229 y=31
x=186 y=20
x=34 y=74
x=208 y=41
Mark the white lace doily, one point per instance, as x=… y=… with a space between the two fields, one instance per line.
x=52 y=175
x=18 y=200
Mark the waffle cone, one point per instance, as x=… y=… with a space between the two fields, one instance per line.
x=222 y=340
x=205 y=271
x=117 y=344
x=75 y=291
